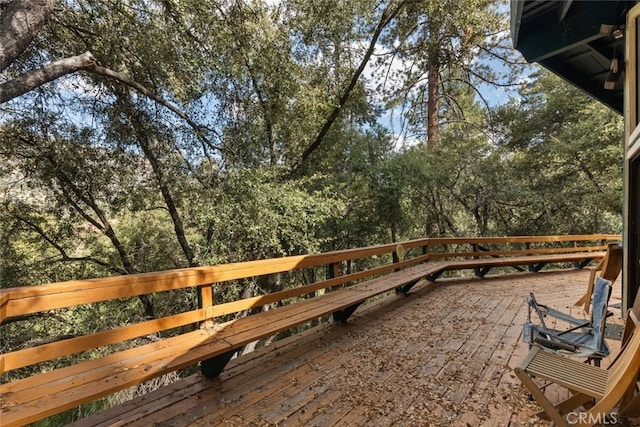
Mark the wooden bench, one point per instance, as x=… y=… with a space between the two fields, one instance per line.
x=213 y=345
x=482 y=266
x=205 y=336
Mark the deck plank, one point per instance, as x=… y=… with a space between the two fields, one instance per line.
x=441 y=355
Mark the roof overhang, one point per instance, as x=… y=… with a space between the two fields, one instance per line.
x=578 y=40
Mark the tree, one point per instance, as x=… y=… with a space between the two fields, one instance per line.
x=20 y=23
x=564 y=151
x=548 y=163
x=436 y=43
x=101 y=125
x=205 y=93
x=387 y=15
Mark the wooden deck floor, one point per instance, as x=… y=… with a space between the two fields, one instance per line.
x=440 y=356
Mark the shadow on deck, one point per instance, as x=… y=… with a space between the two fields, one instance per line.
x=443 y=355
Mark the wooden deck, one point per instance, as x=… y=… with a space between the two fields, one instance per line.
x=440 y=356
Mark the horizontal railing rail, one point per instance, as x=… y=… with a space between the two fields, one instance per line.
x=32 y=299
x=21 y=301
x=442 y=253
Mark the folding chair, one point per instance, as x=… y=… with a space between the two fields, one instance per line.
x=609 y=267
x=607 y=387
x=582 y=338
x=631 y=407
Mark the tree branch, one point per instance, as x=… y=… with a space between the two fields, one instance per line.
x=107 y=72
x=63 y=252
x=32 y=79
x=387 y=15
x=86 y=62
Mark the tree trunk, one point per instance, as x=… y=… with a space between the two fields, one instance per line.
x=178 y=225
x=20 y=23
x=433 y=105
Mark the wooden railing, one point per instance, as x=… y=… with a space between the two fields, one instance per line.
x=211 y=331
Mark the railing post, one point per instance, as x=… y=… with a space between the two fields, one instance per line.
x=212 y=367
x=426 y=250
x=333 y=271
x=530 y=267
x=398 y=254
x=4 y=301
x=205 y=301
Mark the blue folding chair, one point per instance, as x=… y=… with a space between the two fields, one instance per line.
x=582 y=338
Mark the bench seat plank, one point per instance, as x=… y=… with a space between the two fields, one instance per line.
x=522 y=260
x=43 y=395
x=46 y=394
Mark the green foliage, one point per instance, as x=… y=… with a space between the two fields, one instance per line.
x=255 y=213
x=99 y=181
x=96 y=179
x=565 y=153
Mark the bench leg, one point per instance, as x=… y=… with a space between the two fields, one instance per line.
x=481 y=272
x=343 y=315
x=537 y=267
x=434 y=276
x=583 y=264
x=406 y=288
x=211 y=368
